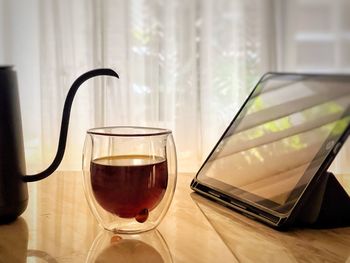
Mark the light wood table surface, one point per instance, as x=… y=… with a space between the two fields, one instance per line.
x=58 y=227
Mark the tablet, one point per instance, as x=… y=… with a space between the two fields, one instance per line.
x=283 y=138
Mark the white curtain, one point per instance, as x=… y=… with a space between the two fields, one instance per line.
x=186 y=65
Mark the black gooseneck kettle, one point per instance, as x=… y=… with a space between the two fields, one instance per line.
x=13 y=178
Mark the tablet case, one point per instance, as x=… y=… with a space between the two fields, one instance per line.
x=328 y=205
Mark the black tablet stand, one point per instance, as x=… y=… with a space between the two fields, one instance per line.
x=327 y=206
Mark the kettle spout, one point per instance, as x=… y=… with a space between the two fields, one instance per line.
x=65 y=121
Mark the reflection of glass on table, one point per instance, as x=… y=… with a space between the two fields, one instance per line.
x=146 y=247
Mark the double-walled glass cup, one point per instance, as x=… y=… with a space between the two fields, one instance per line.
x=129 y=176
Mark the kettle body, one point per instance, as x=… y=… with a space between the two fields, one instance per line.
x=13 y=178
x=13 y=190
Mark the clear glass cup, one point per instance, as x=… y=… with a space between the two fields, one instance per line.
x=129 y=176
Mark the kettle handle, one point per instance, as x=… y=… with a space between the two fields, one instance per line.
x=65 y=122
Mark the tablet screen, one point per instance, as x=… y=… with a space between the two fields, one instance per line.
x=279 y=139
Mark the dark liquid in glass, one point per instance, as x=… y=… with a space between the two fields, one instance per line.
x=128 y=185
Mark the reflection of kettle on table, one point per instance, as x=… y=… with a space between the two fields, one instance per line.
x=13 y=187
x=14 y=241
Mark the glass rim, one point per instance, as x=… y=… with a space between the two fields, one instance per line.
x=117 y=131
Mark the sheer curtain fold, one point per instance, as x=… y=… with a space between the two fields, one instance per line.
x=67 y=49
x=184 y=65
x=235 y=50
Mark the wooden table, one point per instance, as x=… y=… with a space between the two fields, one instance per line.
x=58 y=227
